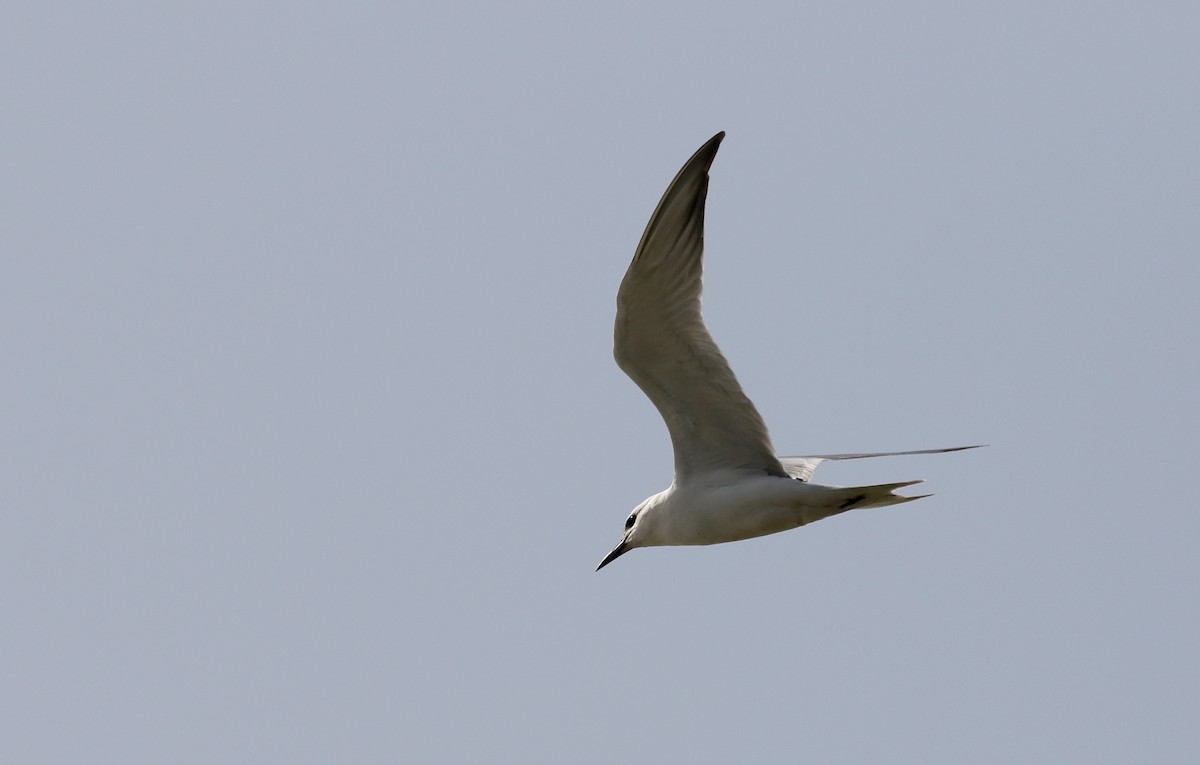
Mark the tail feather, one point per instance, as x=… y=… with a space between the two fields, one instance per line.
x=839 y=500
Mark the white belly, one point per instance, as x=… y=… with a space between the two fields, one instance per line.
x=749 y=506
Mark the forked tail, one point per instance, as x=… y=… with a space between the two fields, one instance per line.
x=853 y=497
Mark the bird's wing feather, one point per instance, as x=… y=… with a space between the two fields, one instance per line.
x=803 y=467
x=661 y=342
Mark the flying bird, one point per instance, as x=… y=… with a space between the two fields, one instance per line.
x=729 y=484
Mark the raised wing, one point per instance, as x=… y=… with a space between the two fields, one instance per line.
x=802 y=468
x=661 y=342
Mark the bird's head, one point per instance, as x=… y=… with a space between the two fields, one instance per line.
x=640 y=530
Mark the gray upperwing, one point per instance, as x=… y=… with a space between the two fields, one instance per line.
x=661 y=342
x=802 y=468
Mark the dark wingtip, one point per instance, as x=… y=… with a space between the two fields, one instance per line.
x=707 y=152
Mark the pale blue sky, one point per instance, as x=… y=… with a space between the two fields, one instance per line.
x=313 y=438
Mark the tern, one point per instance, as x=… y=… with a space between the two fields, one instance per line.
x=729 y=484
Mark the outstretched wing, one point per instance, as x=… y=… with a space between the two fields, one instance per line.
x=661 y=342
x=802 y=468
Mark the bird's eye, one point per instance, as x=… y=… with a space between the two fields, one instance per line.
x=629 y=521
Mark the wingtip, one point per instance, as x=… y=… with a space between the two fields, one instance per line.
x=709 y=149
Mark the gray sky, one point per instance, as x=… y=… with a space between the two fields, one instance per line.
x=312 y=434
